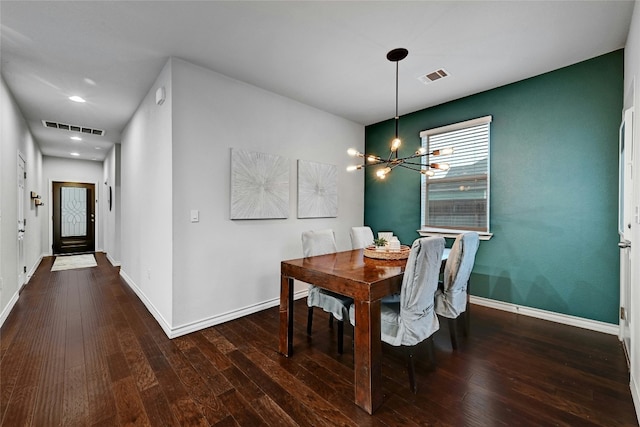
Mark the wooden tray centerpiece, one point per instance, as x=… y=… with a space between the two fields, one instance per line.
x=372 y=252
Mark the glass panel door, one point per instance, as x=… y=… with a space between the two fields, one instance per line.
x=73 y=205
x=73 y=217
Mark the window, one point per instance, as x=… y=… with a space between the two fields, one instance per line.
x=458 y=199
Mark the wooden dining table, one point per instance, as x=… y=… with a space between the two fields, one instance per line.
x=367 y=281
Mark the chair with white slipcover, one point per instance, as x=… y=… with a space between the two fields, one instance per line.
x=361 y=237
x=413 y=319
x=322 y=242
x=452 y=295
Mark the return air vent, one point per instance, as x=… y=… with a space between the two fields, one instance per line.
x=72 y=128
x=433 y=76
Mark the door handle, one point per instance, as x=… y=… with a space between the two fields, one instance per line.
x=624 y=245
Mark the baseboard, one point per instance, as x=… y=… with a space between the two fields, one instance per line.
x=177 y=331
x=166 y=327
x=593 y=325
x=230 y=315
x=112 y=261
x=33 y=269
x=7 y=310
x=14 y=298
x=635 y=396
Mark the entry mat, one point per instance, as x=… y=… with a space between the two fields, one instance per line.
x=69 y=262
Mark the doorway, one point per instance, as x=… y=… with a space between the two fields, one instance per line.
x=22 y=265
x=625 y=214
x=73 y=217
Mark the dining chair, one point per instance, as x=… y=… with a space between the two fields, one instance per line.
x=361 y=237
x=452 y=299
x=413 y=320
x=321 y=242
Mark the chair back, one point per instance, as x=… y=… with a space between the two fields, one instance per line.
x=419 y=286
x=318 y=242
x=361 y=237
x=458 y=270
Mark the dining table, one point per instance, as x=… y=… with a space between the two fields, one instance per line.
x=367 y=280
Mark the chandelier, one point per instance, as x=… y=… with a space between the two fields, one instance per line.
x=417 y=161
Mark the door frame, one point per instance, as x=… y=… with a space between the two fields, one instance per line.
x=625 y=213
x=97 y=194
x=21 y=200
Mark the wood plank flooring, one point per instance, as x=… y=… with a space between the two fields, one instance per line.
x=80 y=349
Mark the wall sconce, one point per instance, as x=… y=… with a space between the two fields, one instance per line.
x=36 y=199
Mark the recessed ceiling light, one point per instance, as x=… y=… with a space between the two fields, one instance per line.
x=75 y=154
x=98 y=148
x=88 y=81
x=76 y=98
x=76 y=138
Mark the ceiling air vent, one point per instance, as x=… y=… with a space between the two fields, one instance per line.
x=433 y=76
x=73 y=128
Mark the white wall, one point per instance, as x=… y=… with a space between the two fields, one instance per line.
x=71 y=170
x=111 y=217
x=224 y=268
x=176 y=158
x=146 y=203
x=632 y=98
x=15 y=137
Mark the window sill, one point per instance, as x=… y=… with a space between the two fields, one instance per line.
x=450 y=233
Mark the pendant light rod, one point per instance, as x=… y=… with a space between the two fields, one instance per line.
x=397 y=117
x=397 y=55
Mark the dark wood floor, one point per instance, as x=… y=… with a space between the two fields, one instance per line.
x=79 y=348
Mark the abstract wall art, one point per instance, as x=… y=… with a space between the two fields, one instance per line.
x=259 y=185
x=317 y=190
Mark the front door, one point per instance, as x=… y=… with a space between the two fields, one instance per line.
x=73 y=217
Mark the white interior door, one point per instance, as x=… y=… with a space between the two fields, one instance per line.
x=625 y=215
x=21 y=222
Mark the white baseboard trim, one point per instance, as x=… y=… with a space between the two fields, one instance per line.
x=177 y=331
x=166 y=327
x=635 y=395
x=230 y=315
x=33 y=269
x=112 y=261
x=7 y=310
x=14 y=298
x=593 y=325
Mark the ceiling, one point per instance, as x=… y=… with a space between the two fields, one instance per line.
x=329 y=55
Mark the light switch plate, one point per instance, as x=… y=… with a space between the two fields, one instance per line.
x=195 y=215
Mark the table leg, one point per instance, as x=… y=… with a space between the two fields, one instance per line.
x=286 y=316
x=368 y=355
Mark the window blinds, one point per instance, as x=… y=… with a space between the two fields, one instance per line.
x=458 y=198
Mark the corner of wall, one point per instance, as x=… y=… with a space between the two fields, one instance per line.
x=144 y=186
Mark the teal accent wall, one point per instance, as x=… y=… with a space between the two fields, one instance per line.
x=554 y=187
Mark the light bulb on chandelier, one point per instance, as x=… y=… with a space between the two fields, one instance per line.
x=417 y=161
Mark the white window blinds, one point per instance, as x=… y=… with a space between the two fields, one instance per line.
x=458 y=198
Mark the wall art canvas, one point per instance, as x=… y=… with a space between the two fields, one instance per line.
x=317 y=190
x=259 y=185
